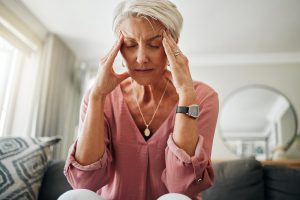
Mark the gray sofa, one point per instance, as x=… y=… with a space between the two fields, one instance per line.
x=54 y=181
x=244 y=179
x=247 y=179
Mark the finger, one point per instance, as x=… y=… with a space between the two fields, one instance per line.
x=180 y=58
x=169 y=52
x=103 y=59
x=110 y=51
x=172 y=42
x=167 y=39
x=115 y=50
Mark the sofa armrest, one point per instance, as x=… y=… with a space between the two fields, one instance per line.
x=237 y=179
x=281 y=182
x=54 y=181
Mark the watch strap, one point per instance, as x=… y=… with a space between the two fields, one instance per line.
x=182 y=109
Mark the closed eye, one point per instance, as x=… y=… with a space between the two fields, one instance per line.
x=154 y=46
x=131 y=46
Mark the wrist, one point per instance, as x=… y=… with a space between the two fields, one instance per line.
x=185 y=90
x=96 y=96
x=187 y=97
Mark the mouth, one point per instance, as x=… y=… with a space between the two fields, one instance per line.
x=143 y=70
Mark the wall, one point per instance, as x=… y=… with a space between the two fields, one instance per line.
x=284 y=77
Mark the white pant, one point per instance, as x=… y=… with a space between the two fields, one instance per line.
x=80 y=194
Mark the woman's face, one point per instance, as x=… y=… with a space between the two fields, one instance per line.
x=142 y=49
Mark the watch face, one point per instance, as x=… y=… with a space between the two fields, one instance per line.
x=194 y=111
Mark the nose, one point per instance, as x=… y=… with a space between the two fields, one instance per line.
x=141 y=56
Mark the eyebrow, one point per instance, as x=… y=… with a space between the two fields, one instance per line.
x=154 y=37
x=150 y=39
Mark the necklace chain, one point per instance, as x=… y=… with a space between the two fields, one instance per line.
x=147 y=131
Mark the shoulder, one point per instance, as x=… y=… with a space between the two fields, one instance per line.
x=208 y=100
x=204 y=91
x=110 y=100
x=113 y=94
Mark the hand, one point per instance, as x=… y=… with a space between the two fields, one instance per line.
x=107 y=79
x=180 y=73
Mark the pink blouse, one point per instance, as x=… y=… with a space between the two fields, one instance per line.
x=134 y=169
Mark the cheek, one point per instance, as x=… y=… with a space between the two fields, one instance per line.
x=161 y=56
x=123 y=52
x=126 y=55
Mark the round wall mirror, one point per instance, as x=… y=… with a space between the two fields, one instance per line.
x=256 y=120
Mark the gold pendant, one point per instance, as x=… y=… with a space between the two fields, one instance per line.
x=147 y=132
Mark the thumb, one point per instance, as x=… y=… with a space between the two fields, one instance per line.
x=123 y=76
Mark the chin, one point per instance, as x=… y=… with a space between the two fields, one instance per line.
x=147 y=79
x=143 y=81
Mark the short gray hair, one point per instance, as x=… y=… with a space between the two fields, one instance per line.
x=162 y=10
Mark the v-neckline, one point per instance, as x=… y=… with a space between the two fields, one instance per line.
x=137 y=130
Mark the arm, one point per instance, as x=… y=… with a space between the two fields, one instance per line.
x=186 y=173
x=90 y=144
x=89 y=156
x=183 y=139
x=181 y=78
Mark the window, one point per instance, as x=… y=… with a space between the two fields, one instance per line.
x=8 y=57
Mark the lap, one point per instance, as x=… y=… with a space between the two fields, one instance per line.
x=85 y=194
x=80 y=194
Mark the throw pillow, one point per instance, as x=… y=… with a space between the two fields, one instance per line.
x=23 y=161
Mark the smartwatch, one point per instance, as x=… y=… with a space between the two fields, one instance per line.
x=192 y=111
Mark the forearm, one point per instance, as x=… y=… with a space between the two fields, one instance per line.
x=91 y=145
x=185 y=173
x=185 y=134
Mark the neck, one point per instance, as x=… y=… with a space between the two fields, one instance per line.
x=149 y=93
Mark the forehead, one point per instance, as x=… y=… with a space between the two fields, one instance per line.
x=141 y=28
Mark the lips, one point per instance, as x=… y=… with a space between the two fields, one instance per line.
x=143 y=70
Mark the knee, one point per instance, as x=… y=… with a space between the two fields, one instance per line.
x=80 y=194
x=173 y=196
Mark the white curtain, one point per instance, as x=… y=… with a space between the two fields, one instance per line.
x=19 y=90
x=45 y=91
x=58 y=99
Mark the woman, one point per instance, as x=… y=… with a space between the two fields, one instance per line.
x=137 y=139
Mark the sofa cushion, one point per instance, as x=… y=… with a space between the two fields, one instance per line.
x=22 y=164
x=282 y=183
x=235 y=180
